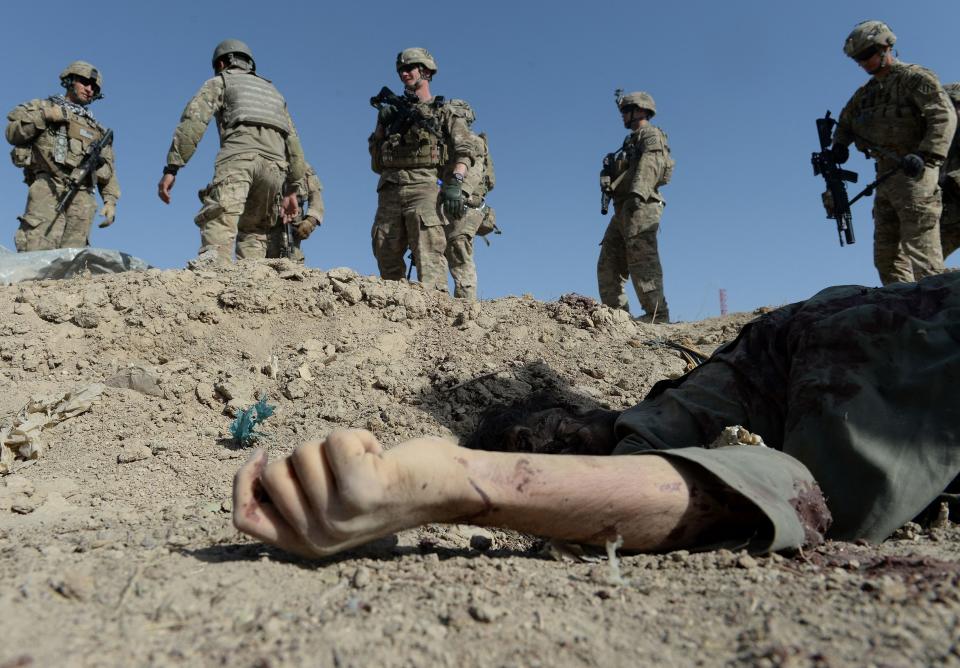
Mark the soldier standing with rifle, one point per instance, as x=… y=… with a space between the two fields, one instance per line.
x=902 y=119
x=64 y=154
x=632 y=177
x=417 y=139
x=259 y=152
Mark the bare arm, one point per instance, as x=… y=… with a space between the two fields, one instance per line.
x=332 y=495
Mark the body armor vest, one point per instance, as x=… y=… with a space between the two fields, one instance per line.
x=885 y=117
x=252 y=100
x=418 y=144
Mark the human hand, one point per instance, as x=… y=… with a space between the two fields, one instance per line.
x=912 y=165
x=306 y=227
x=165 y=186
x=109 y=213
x=290 y=207
x=452 y=200
x=841 y=153
x=325 y=497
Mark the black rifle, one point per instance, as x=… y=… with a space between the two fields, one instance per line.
x=405 y=112
x=286 y=231
x=609 y=167
x=80 y=177
x=824 y=164
x=836 y=178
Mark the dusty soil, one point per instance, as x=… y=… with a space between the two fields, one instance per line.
x=116 y=546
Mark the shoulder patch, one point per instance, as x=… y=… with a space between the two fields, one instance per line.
x=653 y=139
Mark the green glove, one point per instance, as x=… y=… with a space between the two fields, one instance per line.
x=386 y=114
x=451 y=195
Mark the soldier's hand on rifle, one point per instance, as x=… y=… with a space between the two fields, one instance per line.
x=165 y=186
x=306 y=227
x=841 y=153
x=452 y=200
x=289 y=206
x=109 y=213
x=386 y=114
x=54 y=113
x=912 y=165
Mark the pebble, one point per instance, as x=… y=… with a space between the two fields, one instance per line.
x=134 y=453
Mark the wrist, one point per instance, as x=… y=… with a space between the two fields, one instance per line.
x=435 y=481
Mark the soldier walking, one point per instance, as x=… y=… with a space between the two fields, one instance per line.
x=902 y=119
x=411 y=148
x=633 y=176
x=51 y=139
x=259 y=152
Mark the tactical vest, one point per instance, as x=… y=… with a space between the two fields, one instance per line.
x=884 y=115
x=249 y=99
x=419 y=144
x=489 y=179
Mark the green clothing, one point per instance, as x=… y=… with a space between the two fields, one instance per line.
x=851 y=390
x=950 y=184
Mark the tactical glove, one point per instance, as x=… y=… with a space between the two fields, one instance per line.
x=54 y=114
x=451 y=196
x=912 y=165
x=386 y=114
x=109 y=213
x=841 y=153
x=306 y=227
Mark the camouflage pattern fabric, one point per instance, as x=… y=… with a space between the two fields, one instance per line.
x=310 y=193
x=459 y=252
x=950 y=185
x=408 y=217
x=240 y=207
x=629 y=245
x=240 y=204
x=48 y=154
x=846 y=389
x=907 y=111
x=407 y=212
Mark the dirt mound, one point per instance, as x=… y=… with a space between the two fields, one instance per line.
x=118 y=550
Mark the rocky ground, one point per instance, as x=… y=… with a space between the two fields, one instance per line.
x=116 y=546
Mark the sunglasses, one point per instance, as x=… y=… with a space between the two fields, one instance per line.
x=867 y=54
x=408 y=68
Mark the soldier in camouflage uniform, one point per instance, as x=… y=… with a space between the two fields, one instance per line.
x=479 y=217
x=310 y=202
x=50 y=138
x=903 y=119
x=950 y=184
x=634 y=175
x=259 y=152
x=410 y=154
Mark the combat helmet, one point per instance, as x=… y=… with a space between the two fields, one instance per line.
x=867 y=34
x=638 y=99
x=953 y=92
x=230 y=47
x=416 y=56
x=83 y=69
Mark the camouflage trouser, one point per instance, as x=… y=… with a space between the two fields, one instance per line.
x=906 y=238
x=407 y=216
x=42 y=228
x=460 y=235
x=275 y=245
x=950 y=226
x=240 y=207
x=629 y=249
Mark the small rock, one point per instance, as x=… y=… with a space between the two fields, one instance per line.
x=74 y=585
x=361 y=577
x=485 y=613
x=134 y=453
x=746 y=561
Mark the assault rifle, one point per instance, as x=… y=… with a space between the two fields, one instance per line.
x=399 y=112
x=607 y=170
x=835 y=199
x=80 y=176
x=286 y=231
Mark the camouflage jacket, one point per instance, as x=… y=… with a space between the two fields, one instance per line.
x=641 y=165
x=457 y=142
x=56 y=148
x=906 y=111
x=309 y=191
x=950 y=172
x=238 y=140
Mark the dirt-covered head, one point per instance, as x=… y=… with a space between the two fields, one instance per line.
x=545 y=423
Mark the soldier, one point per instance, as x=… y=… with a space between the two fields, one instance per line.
x=51 y=137
x=950 y=183
x=310 y=202
x=633 y=176
x=479 y=216
x=902 y=119
x=259 y=152
x=410 y=148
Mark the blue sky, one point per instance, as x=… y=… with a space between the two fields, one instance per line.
x=737 y=84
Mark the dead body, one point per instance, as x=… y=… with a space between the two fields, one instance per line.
x=852 y=391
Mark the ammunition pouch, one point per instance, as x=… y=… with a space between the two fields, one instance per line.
x=417 y=147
